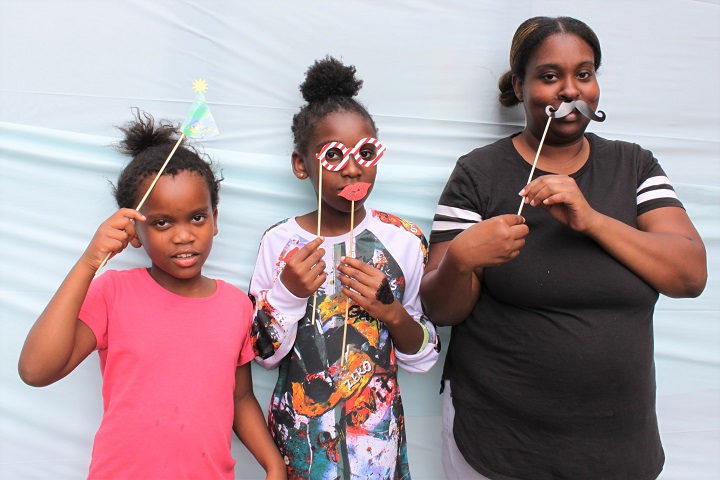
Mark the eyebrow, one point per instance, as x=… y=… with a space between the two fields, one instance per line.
x=322 y=144
x=557 y=65
x=163 y=214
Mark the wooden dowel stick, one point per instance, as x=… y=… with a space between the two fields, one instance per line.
x=320 y=175
x=347 y=299
x=537 y=155
x=157 y=177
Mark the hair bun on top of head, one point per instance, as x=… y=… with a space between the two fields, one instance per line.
x=328 y=78
x=142 y=134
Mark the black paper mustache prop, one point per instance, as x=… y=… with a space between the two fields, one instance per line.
x=566 y=108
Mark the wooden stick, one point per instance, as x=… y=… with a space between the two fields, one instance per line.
x=537 y=155
x=347 y=299
x=320 y=175
x=152 y=185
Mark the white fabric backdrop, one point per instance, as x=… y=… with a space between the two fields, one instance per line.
x=70 y=71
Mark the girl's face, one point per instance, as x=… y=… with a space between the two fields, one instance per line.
x=562 y=69
x=348 y=128
x=179 y=230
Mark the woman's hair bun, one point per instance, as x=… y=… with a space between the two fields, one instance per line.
x=142 y=134
x=329 y=78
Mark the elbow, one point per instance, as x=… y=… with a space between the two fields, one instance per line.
x=33 y=372
x=444 y=316
x=31 y=376
x=696 y=276
x=690 y=285
x=695 y=285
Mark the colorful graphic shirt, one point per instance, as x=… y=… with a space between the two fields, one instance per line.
x=331 y=420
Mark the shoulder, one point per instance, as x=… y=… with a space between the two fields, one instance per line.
x=134 y=276
x=398 y=225
x=232 y=294
x=277 y=227
x=619 y=149
x=482 y=156
x=398 y=222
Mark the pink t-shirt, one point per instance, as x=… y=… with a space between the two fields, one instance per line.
x=168 y=364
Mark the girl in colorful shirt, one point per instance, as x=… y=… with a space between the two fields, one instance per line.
x=174 y=345
x=337 y=324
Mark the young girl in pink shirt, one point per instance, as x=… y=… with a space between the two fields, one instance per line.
x=174 y=345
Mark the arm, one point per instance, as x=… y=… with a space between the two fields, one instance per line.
x=451 y=284
x=250 y=427
x=58 y=341
x=665 y=250
x=281 y=302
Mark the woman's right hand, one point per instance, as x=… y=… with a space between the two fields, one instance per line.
x=304 y=272
x=112 y=237
x=488 y=243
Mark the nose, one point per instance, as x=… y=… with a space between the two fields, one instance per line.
x=352 y=169
x=183 y=235
x=569 y=90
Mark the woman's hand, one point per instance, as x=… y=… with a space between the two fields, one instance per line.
x=560 y=196
x=489 y=243
x=304 y=272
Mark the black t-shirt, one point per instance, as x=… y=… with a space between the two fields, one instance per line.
x=553 y=374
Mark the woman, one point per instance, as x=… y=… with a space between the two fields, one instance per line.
x=550 y=369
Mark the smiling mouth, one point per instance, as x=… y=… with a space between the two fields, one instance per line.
x=185 y=255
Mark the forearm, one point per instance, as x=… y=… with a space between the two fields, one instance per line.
x=250 y=427
x=49 y=347
x=673 y=260
x=407 y=334
x=449 y=292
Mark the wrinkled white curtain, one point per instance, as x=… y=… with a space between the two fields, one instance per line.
x=70 y=71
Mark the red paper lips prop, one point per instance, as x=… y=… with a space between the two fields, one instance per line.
x=355 y=191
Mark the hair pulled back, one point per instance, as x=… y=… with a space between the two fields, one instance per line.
x=529 y=36
x=329 y=87
x=149 y=144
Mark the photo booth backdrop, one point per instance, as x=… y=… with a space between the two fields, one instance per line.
x=71 y=71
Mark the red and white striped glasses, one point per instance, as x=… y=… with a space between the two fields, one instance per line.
x=335 y=155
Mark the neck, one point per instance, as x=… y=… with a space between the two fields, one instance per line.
x=195 y=287
x=554 y=158
x=334 y=223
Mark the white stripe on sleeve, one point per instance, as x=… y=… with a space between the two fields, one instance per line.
x=458 y=213
x=443 y=226
x=655 y=194
x=654 y=181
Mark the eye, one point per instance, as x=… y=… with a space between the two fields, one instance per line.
x=368 y=152
x=199 y=218
x=334 y=155
x=161 y=224
x=585 y=75
x=548 y=77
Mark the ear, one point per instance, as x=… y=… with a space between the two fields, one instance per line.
x=517 y=84
x=215 y=224
x=298 y=165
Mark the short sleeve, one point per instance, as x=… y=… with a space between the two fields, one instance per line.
x=95 y=309
x=458 y=207
x=246 y=352
x=654 y=189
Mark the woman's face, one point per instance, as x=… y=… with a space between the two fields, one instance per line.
x=562 y=69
